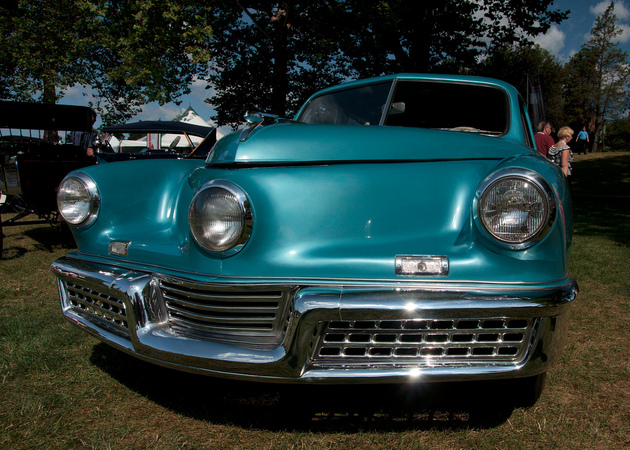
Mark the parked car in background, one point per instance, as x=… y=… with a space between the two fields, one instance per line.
x=156 y=139
x=37 y=150
x=400 y=229
x=40 y=144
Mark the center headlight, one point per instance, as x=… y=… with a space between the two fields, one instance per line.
x=220 y=217
x=78 y=200
x=516 y=207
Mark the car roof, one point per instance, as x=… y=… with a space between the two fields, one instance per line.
x=160 y=126
x=45 y=116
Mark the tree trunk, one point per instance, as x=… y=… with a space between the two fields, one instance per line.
x=595 y=143
x=280 y=83
x=50 y=94
x=420 y=48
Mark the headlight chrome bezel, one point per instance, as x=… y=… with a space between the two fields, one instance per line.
x=93 y=198
x=538 y=183
x=247 y=219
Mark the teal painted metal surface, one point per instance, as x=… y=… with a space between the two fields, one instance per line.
x=336 y=221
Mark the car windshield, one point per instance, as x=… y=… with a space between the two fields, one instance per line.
x=420 y=104
x=355 y=106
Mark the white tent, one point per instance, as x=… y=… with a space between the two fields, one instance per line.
x=165 y=140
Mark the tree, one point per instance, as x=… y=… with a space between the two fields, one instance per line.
x=130 y=52
x=438 y=35
x=44 y=47
x=515 y=64
x=146 y=51
x=599 y=77
x=271 y=54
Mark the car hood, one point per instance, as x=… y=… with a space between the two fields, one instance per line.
x=288 y=143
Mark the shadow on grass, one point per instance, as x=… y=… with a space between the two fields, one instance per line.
x=20 y=239
x=276 y=407
x=601 y=198
x=49 y=238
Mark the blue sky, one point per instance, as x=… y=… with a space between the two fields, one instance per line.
x=561 y=40
x=566 y=39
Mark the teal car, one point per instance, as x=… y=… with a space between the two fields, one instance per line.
x=400 y=228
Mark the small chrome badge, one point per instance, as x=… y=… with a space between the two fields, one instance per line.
x=407 y=265
x=119 y=248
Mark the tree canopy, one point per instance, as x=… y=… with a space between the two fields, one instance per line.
x=44 y=47
x=520 y=63
x=270 y=55
x=130 y=52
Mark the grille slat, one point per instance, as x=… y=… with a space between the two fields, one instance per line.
x=236 y=316
x=462 y=340
x=209 y=294
x=216 y=305
x=255 y=315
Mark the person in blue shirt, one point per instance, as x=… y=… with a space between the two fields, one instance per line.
x=582 y=140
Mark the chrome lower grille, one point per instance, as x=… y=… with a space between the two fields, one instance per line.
x=451 y=341
x=249 y=314
x=93 y=304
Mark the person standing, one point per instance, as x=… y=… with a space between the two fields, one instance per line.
x=85 y=139
x=582 y=141
x=560 y=154
x=543 y=139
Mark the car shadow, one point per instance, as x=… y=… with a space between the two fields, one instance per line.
x=48 y=238
x=313 y=408
x=37 y=235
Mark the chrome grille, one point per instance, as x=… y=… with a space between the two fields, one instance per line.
x=257 y=314
x=94 y=304
x=424 y=341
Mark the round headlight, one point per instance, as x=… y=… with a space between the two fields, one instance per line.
x=516 y=207
x=78 y=200
x=220 y=217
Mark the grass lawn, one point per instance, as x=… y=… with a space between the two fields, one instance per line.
x=60 y=388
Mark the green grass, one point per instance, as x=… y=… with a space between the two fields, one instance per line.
x=60 y=388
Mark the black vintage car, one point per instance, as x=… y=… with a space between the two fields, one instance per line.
x=39 y=145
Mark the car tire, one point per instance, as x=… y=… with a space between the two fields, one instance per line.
x=18 y=204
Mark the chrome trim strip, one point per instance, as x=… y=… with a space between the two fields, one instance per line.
x=421 y=283
x=388 y=102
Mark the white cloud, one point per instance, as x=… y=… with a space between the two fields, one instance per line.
x=153 y=111
x=621 y=11
x=552 y=40
x=198 y=89
x=625 y=33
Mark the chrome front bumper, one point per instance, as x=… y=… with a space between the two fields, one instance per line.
x=318 y=332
